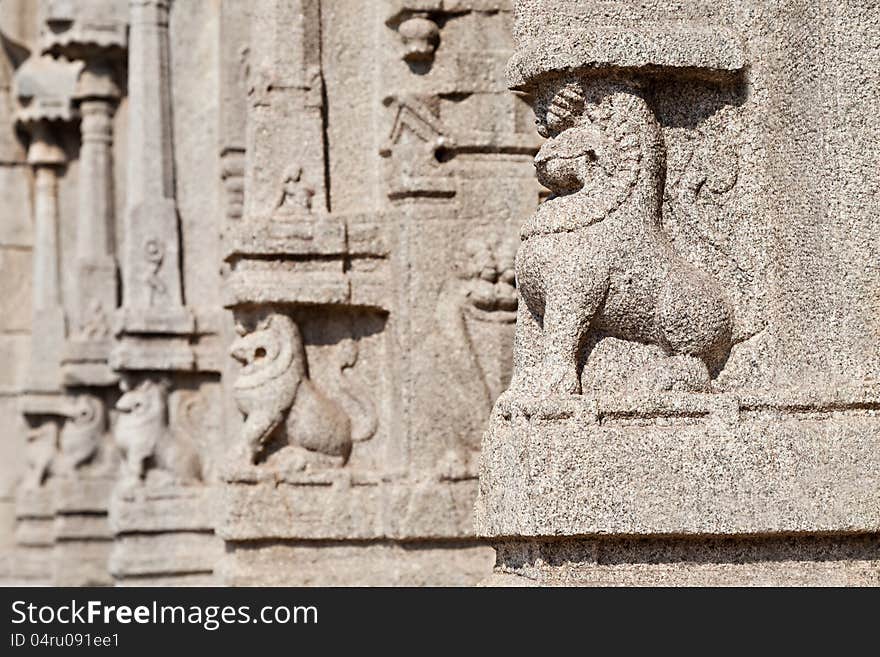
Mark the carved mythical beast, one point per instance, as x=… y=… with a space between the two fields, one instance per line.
x=595 y=258
x=146 y=441
x=82 y=434
x=42 y=444
x=275 y=394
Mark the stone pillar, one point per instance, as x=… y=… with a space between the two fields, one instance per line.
x=152 y=297
x=234 y=65
x=666 y=423
x=160 y=512
x=41 y=405
x=95 y=243
x=45 y=157
x=152 y=211
x=92 y=34
x=44 y=90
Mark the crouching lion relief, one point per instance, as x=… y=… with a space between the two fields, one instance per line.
x=281 y=403
x=149 y=446
x=595 y=259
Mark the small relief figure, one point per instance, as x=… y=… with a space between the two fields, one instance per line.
x=145 y=439
x=154 y=254
x=420 y=36
x=95 y=324
x=82 y=433
x=296 y=197
x=42 y=447
x=594 y=257
x=279 y=400
x=470 y=353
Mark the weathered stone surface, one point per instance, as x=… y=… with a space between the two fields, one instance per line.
x=371 y=278
x=16 y=308
x=663 y=383
x=272 y=306
x=176 y=557
x=271 y=267
x=757 y=472
x=785 y=561
x=338 y=563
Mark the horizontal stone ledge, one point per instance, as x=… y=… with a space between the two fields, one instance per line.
x=177 y=553
x=82 y=494
x=35 y=502
x=398 y=8
x=35 y=532
x=342 y=235
x=321 y=510
x=269 y=286
x=688 y=406
x=88 y=374
x=81 y=563
x=149 y=509
x=85 y=350
x=754 y=476
x=31 y=565
x=287 y=235
x=155 y=320
x=835 y=560
x=49 y=403
x=79 y=527
x=697 y=49
x=166 y=353
x=355 y=289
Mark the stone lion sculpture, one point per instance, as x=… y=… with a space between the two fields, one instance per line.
x=278 y=398
x=145 y=439
x=81 y=436
x=594 y=257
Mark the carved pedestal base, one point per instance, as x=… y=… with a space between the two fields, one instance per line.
x=164 y=536
x=83 y=539
x=34 y=537
x=707 y=469
x=355 y=563
x=343 y=506
x=745 y=561
x=85 y=363
x=82 y=561
x=349 y=529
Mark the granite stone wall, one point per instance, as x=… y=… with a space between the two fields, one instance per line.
x=290 y=288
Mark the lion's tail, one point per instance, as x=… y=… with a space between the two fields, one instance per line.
x=357 y=403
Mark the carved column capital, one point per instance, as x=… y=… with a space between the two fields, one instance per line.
x=44 y=149
x=149 y=12
x=97 y=82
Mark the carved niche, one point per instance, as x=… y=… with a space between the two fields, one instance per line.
x=469 y=352
x=82 y=438
x=596 y=260
x=281 y=403
x=148 y=445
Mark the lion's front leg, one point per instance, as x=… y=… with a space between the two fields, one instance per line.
x=568 y=313
x=257 y=429
x=527 y=348
x=134 y=464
